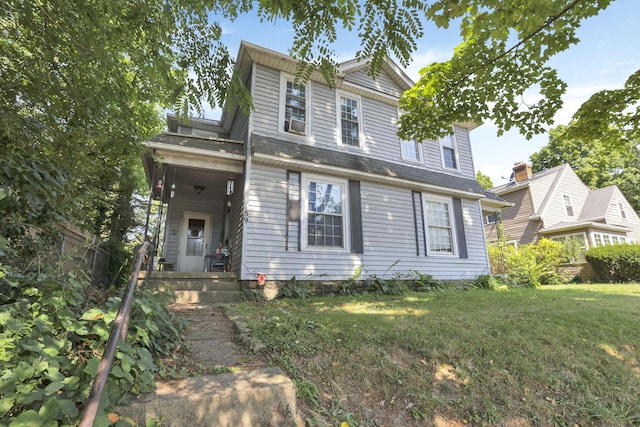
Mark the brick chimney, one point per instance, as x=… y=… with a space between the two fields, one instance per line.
x=521 y=171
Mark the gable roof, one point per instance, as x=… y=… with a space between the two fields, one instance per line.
x=597 y=204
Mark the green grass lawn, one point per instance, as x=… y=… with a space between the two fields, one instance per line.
x=561 y=355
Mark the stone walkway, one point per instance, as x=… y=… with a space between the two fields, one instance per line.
x=214 y=340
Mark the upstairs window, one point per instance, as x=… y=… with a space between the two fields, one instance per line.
x=623 y=214
x=295 y=107
x=567 y=204
x=411 y=151
x=350 y=120
x=449 y=152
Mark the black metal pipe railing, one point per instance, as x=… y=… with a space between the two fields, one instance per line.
x=118 y=332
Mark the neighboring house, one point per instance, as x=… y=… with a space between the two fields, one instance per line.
x=556 y=204
x=316 y=183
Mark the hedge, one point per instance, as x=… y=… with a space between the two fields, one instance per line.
x=616 y=263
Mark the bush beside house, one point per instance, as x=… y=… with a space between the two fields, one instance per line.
x=616 y=263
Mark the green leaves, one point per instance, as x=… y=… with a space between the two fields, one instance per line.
x=499 y=72
x=51 y=345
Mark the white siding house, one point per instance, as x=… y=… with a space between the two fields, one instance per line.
x=323 y=186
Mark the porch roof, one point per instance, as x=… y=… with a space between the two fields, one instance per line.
x=200 y=152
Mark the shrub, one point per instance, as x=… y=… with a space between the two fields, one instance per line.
x=536 y=264
x=498 y=257
x=488 y=281
x=616 y=263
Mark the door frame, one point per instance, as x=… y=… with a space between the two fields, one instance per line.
x=182 y=238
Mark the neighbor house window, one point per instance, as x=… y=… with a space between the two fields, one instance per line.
x=325 y=217
x=623 y=214
x=567 y=204
x=493 y=218
x=294 y=102
x=449 y=152
x=439 y=226
x=350 y=120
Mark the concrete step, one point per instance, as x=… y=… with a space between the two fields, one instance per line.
x=261 y=397
x=194 y=297
x=195 y=287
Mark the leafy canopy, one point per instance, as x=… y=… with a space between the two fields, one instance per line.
x=502 y=58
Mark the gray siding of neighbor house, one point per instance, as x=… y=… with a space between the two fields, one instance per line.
x=614 y=216
x=389 y=235
x=539 y=189
x=210 y=201
x=379 y=125
x=517 y=225
x=555 y=210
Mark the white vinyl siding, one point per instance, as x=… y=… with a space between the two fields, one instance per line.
x=378 y=134
x=389 y=237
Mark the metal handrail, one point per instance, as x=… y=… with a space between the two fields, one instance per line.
x=118 y=332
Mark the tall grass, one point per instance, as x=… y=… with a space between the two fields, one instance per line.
x=561 y=355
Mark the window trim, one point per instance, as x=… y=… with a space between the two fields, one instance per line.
x=284 y=78
x=304 y=213
x=456 y=156
x=452 y=225
x=354 y=97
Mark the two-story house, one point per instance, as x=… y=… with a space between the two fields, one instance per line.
x=556 y=204
x=316 y=183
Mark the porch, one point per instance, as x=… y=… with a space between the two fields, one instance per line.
x=193 y=201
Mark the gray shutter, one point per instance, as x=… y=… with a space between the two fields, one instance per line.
x=459 y=220
x=292 y=229
x=355 y=211
x=418 y=222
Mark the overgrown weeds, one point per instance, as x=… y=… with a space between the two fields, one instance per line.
x=53 y=330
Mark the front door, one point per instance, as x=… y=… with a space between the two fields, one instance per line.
x=195 y=238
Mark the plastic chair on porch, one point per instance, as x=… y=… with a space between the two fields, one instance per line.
x=214 y=262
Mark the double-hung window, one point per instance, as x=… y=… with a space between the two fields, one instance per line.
x=295 y=106
x=439 y=225
x=623 y=214
x=350 y=119
x=324 y=223
x=567 y=204
x=411 y=151
x=449 y=152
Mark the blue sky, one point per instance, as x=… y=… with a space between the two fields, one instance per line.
x=608 y=53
